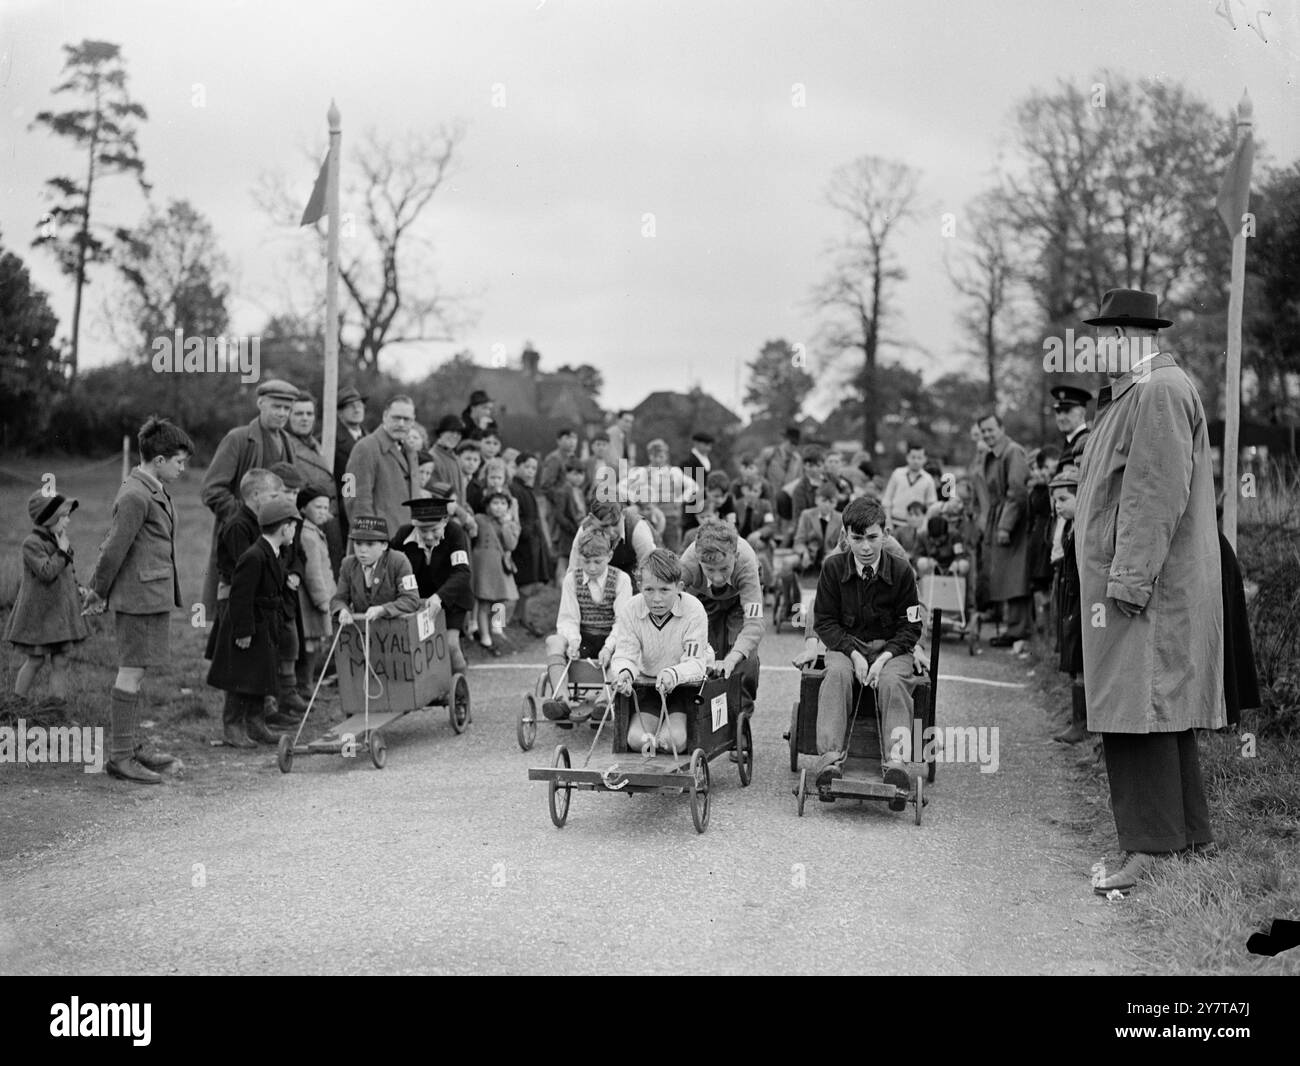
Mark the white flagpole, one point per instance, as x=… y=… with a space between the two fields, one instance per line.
x=329 y=402
x=1232 y=413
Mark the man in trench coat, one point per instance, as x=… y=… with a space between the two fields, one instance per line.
x=1150 y=591
x=1005 y=550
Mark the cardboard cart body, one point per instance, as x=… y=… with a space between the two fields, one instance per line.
x=862 y=767
x=386 y=669
x=715 y=725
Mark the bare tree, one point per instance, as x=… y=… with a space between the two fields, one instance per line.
x=393 y=293
x=875 y=197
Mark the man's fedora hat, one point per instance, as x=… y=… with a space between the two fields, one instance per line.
x=1067 y=396
x=349 y=395
x=427 y=511
x=369 y=527
x=1129 y=307
x=477 y=397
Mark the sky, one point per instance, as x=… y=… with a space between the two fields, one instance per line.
x=612 y=111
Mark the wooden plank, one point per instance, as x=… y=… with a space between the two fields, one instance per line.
x=356 y=724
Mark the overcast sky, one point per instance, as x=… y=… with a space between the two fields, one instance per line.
x=613 y=110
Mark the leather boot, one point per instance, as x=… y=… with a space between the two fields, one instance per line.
x=1078 y=728
x=255 y=721
x=232 y=723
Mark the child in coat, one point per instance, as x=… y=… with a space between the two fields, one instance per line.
x=247 y=659
x=374 y=582
x=46 y=618
x=135 y=576
x=237 y=534
x=494 y=567
x=316 y=588
x=1066 y=604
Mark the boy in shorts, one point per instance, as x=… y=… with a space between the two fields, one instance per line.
x=590 y=599
x=661 y=642
x=135 y=576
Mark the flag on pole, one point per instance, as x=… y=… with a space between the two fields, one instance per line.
x=1234 y=194
x=316 y=206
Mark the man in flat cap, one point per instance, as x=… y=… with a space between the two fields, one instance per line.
x=1071 y=406
x=351 y=406
x=262 y=443
x=383 y=467
x=1149 y=590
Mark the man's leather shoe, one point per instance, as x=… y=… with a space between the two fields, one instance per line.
x=235 y=737
x=291 y=701
x=159 y=762
x=281 y=721
x=259 y=732
x=130 y=770
x=1136 y=864
x=899 y=778
x=827 y=769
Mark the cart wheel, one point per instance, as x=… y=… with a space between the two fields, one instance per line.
x=458 y=709
x=378 y=750
x=917 y=800
x=557 y=796
x=699 y=790
x=802 y=791
x=284 y=753
x=526 y=729
x=794 y=738
x=745 y=751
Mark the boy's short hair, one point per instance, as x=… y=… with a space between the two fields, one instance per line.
x=468 y=446
x=662 y=564
x=915 y=446
x=916 y=507
x=863 y=513
x=717 y=480
x=715 y=541
x=832 y=451
x=828 y=490
x=258 y=480
x=572 y=466
x=523 y=457
x=752 y=481
x=606 y=511
x=748 y=459
x=423 y=457
x=600 y=437
x=565 y=431
x=812 y=454
x=593 y=544
x=1047 y=452
x=497 y=494
x=159 y=438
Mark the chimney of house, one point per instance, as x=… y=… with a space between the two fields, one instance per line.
x=530 y=359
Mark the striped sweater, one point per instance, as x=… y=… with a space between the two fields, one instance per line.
x=644 y=649
x=579 y=613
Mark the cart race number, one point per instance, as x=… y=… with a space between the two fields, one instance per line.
x=690 y=648
x=718 y=705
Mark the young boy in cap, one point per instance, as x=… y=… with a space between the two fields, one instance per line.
x=374 y=582
x=590 y=598
x=868 y=615
x=136 y=577
x=46 y=617
x=1066 y=604
x=247 y=660
x=661 y=642
x=438 y=552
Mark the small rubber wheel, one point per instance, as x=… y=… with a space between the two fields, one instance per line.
x=526 y=728
x=558 y=796
x=801 y=792
x=699 y=790
x=794 y=738
x=378 y=750
x=458 y=707
x=917 y=799
x=284 y=754
x=745 y=751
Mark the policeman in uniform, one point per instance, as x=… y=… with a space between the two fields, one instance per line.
x=438 y=551
x=1071 y=409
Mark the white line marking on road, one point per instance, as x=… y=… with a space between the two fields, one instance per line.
x=774 y=669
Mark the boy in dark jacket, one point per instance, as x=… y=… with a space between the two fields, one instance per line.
x=237 y=534
x=438 y=551
x=374 y=582
x=247 y=660
x=869 y=617
x=1066 y=605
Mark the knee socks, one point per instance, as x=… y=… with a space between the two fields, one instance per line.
x=124 y=710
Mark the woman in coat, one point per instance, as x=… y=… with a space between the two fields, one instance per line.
x=532 y=556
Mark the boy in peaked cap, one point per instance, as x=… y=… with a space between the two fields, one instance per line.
x=438 y=552
x=373 y=581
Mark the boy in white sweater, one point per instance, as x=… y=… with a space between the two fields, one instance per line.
x=661 y=643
